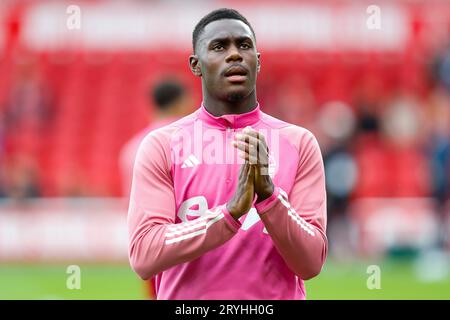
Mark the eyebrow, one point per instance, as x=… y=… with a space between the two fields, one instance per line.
x=226 y=39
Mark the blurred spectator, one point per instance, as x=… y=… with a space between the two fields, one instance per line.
x=72 y=182
x=368 y=152
x=402 y=124
x=389 y=150
x=337 y=124
x=27 y=114
x=22 y=179
x=172 y=102
x=402 y=119
x=29 y=108
x=442 y=67
x=295 y=103
x=439 y=143
x=439 y=140
x=439 y=125
x=2 y=159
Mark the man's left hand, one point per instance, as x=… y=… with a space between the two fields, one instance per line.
x=253 y=148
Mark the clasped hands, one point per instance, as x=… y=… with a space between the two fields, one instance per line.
x=254 y=176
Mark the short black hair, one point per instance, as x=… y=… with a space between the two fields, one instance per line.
x=166 y=92
x=219 y=14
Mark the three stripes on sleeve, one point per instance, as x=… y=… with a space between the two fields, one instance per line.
x=182 y=231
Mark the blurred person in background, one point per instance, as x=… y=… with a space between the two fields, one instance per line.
x=439 y=155
x=296 y=103
x=405 y=157
x=28 y=111
x=21 y=177
x=2 y=159
x=367 y=143
x=171 y=101
x=29 y=108
x=438 y=146
x=336 y=123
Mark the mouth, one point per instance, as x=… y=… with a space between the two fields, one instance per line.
x=236 y=74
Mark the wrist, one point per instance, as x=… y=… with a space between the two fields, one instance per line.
x=265 y=193
x=233 y=211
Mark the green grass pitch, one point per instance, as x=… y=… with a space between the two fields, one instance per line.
x=104 y=281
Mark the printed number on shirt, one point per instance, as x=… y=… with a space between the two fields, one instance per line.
x=197 y=206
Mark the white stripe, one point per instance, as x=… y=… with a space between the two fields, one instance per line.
x=220 y=216
x=284 y=202
x=186 y=236
x=194 y=160
x=299 y=222
x=306 y=224
x=294 y=215
x=190 y=227
x=196 y=233
x=184 y=230
x=180 y=226
x=283 y=193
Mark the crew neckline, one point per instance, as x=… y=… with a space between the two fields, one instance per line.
x=234 y=121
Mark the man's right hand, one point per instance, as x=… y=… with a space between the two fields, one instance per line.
x=244 y=195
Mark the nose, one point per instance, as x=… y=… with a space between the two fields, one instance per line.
x=233 y=54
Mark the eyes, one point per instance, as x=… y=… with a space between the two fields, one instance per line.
x=219 y=47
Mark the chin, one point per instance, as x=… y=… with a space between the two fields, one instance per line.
x=235 y=97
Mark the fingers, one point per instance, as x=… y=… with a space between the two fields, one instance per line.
x=252 y=173
x=253 y=137
x=249 y=140
x=252 y=146
x=255 y=134
x=247 y=152
x=244 y=172
x=253 y=149
x=246 y=178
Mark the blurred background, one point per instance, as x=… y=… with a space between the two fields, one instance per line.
x=78 y=85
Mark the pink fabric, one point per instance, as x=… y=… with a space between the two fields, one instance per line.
x=180 y=229
x=129 y=151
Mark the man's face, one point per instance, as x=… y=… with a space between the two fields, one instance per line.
x=227 y=60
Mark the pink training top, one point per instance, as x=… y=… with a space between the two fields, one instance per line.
x=181 y=232
x=129 y=151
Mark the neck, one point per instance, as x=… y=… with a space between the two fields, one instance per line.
x=173 y=111
x=220 y=107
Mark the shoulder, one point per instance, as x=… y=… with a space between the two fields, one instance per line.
x=162 y=136
x=298 y=136
x=157 y=143
x=273 y=122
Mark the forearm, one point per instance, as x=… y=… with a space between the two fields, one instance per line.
x=303 y=245
x=155 y=247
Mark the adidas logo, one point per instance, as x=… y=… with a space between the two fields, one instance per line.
x=190 y=162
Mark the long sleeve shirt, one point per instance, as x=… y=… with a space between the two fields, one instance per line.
x=179 y=227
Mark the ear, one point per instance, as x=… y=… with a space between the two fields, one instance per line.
x=195 y=65
x=258 y=66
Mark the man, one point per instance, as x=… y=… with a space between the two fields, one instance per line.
x=171 y=102
x=211 y=225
